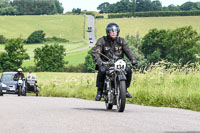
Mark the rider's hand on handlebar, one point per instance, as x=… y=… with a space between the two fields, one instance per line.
x=134 y=63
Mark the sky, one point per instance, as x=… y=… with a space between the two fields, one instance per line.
x=91 y=5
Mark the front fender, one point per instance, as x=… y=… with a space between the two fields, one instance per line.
x=122 y=77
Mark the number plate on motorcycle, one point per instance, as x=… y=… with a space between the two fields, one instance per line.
x=120 y=65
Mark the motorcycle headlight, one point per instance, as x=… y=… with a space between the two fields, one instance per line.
x=3 y=85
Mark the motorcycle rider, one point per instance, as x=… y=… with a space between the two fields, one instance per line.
x=18 y=75
x=112 y=46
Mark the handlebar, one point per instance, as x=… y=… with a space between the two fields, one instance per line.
x=110 y=63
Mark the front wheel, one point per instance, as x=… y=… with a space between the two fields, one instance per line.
x=121 y=96
x=19 y=91
x=109 y=106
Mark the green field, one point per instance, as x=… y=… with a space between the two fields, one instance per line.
x=70 y=27
x=142 y=25
x=76 y=58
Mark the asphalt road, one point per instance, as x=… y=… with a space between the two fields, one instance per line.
x=68 y=115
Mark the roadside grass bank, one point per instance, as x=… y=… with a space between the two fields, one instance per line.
x=158 y=87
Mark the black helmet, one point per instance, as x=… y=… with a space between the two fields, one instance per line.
x=112 y=27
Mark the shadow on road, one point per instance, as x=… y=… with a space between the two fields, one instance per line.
x=96 y=109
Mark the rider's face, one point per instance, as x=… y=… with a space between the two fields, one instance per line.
x=113 y=34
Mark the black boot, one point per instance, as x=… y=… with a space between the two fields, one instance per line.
x=128 y=95
x=98 y=95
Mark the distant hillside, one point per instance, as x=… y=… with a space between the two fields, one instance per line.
x=143 y=25
x=70 y=27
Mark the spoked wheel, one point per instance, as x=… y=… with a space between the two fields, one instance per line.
x=121 y=96
x=19 y=91
x=108 y=105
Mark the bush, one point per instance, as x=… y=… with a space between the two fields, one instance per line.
x=99 y=16
x=36 y=37
x=3 y=40
x=135 y=43
x=79 y=68
x=155 y=14
x=31 y=69
x=50 y=58
x=56 y=39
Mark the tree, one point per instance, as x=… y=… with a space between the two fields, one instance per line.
x=177 y=46
x=103 y=8
x=59 y=7
x=182 y=45
x=36 y=37
x=189 y=6
x=3 y=40
x=173 y=8
x=5 y=64
x=76 y=10
x=153 y=45
x=140 y=5
x=13 y=58
x=133 y=6
x=135 y=43
x=89 y=63
x=37 y=7
x=50 y=58
x=156 y=5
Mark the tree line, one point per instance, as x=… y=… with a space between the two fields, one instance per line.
x=30 y=7
x=124 y=6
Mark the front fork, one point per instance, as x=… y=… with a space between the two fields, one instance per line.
x=109 y=91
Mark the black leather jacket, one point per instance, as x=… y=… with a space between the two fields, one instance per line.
x=17 y=76
x=112 y=49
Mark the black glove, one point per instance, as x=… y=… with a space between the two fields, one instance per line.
x=134 y=63
x=99 y=62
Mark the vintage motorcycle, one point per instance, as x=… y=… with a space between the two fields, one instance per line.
x=114 y=90
x=19 y=87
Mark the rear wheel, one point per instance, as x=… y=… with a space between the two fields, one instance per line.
x=1 y=94
x=36 y=90
x=121 y=96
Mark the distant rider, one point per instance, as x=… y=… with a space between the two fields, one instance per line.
x=18 y=75
x=113 y=47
